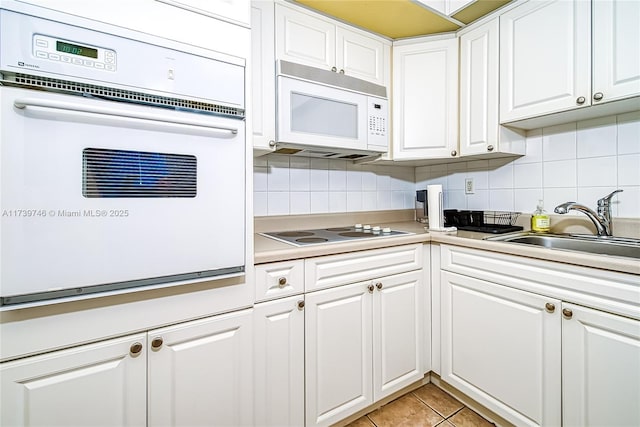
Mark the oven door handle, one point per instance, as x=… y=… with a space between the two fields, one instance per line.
x=23 y=103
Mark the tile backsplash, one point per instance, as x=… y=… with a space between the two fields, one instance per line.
x=580 y=161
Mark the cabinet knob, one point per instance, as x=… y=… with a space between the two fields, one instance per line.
x=272 y=143
x=581 y=100
x=282 y=281
x=489 y=147
x=341 y=71
x=550 y=307
x=454 y=153
x=598 y=96
x=136 y=348
x=156 y=343
x=379 y=285
x=371 y=288
x=567 y=313
x=300 y=305
x=334 y=69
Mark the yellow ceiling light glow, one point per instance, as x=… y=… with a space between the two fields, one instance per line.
x=391 y=18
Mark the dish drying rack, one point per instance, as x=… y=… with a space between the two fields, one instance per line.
x=494 y=222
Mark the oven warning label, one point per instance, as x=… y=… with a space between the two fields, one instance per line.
x=65 y=213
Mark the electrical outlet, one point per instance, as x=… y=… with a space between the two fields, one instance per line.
x=468 y=186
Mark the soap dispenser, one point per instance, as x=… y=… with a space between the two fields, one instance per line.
x=540 y=219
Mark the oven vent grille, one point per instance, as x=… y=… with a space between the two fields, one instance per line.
x=121 y=95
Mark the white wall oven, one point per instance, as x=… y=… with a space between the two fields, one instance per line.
x=122 y=160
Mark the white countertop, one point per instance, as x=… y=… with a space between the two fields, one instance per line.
x=270 y=250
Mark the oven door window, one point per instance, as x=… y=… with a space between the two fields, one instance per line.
x=121 y=173
x=321 y=116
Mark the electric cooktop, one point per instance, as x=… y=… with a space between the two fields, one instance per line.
x=333 y=235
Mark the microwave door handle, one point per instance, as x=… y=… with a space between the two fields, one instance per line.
x=24 y=103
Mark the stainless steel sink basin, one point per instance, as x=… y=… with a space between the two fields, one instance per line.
x=602 y=245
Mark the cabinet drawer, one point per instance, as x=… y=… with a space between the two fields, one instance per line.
x=279 y=279
x=610 y=291
x=334 y=270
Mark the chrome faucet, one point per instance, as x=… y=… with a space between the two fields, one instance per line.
x=601 y=219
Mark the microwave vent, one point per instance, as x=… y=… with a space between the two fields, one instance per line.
x=114 y=94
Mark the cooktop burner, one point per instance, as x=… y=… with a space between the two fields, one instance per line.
x=333 y=235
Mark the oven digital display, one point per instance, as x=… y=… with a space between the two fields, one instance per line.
x=75 y=49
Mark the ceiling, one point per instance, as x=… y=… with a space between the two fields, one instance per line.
x=398 y=19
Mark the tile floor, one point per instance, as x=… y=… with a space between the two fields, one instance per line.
x=425 y=407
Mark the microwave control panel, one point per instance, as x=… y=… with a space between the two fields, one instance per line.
x=378 y=122
x=80 y=54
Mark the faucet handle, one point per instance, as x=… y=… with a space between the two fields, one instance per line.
x=607 y=199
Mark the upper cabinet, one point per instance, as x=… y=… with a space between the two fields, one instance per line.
x=546 y=65
x=480 y=132
x=317 y=41
x=291 y=33
x=425 y=99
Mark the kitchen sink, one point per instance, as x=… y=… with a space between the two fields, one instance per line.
x=602 y=245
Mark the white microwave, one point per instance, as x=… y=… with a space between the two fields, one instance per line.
x=326 y=114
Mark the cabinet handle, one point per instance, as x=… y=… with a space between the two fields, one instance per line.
x=489 y=147
x=379 y=285
x=598 y=96
x=581 y=100
x=156 y=343
x=334 y=69
x=341 y=71
x=567 y=313
x=371 y=288
x=454 y=153
x=272 y=143
x=550 y=307
x=136 y=348
x=282 y=281
x=300 y=305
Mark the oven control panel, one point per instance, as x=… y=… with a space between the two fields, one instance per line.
x=71 y=52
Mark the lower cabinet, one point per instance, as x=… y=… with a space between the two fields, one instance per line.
x=501 y=346
x=195 y=373
x=534 y=359
x=600 y=368
x=279 y=362
x=363 y=341
x=95 y=384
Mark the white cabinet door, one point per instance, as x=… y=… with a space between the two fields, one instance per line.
x=545 y=58
x=501 y=346
x=91 y=385
x=279 y=362
x=425 y=100
x=616 y=50
x=305 y=39
x=338 y=349
x=200 y=372
x=361 y=56
x=600 y=368
x=398 y=332
x=263 y=75
x=479 y=89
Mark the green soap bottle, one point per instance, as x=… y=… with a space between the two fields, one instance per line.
x=540 y=219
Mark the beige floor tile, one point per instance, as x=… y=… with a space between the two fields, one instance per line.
x=362 y=422
x=407 y=411
x=468 y=418
x=445 y=424
x=441 y=402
